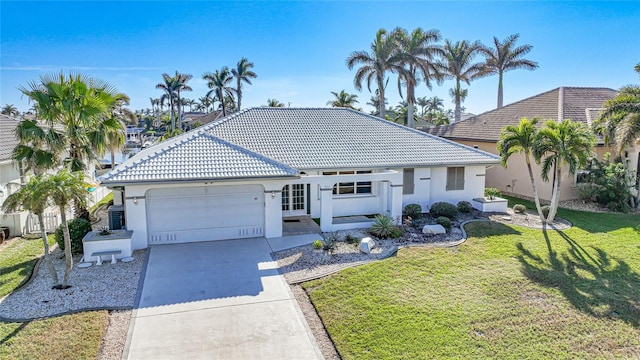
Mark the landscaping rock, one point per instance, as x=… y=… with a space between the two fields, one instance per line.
x=433 y=229
x=367 y=244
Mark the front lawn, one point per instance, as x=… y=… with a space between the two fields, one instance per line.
x=75 y=336
x=508 y=292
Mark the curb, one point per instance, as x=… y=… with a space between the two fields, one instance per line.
x=392 y=252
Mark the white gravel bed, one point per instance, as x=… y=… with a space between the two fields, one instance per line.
x=113 y=342
x=106 y=286
x=304 y=262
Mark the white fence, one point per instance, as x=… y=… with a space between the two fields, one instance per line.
x=51 y=222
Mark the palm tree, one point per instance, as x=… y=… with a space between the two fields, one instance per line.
x=34 y=197
x=565 y=143
x=458 y=65
x=343 y=99
x=506 y=57
x=401 y=113
x=422 y=103
x=170 y=86
x=39 y=147
x=218 y=82
x=242 y=73
x=10 y=110
x=521 y=139
x=274 y=103
x=415 y=61
x=182 y=80
x=374 y=65
x=434 y=106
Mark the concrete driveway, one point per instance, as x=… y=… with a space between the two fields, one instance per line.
x=217 y=300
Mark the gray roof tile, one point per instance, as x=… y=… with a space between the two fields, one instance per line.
x=487 y=126
x=8 y=140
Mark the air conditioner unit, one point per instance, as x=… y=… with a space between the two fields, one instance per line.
x=116 y=217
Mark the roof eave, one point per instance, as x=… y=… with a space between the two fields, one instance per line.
x=198 y=180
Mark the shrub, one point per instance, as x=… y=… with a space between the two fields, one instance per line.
x=350 y=239
x=412 y=210
x=397 y=232
x=383 y=227
x=491 y=193
x=329 y=240
x=78 y=228
x=444 y=209
x=464 y=207
x=317 y=244
x=545 y=211
x=444 y=221
x=608 y=182
x=519 y=208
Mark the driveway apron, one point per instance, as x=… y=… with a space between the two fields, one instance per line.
x=217 y=300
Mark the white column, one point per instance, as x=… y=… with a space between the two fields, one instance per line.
x=396 y=201
x=272 y=213
x=326 y=209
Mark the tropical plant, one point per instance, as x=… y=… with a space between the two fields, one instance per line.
x=506 y=57
x=434 y=106
x=170 y=134
x=182 y=80
x=415 y=61
x=560 y=144
x=78 y=228
x=242 y=73
x=39 y=147
x=458 y=65
x=521 y=139
x=383 y=227
x=464 y=206
x=274 y=103
x=375 y=64
x=218 y=82
x=491 y=193
x=442 y=208
x=318 y=244
x=608 y=183
x=10 y=110
x=401 y=113
x=412 y=210
x=34 y=197
x=343 y=99
x=170 y=86
x=205 y=103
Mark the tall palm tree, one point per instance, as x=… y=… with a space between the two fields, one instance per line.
x=39 y=146
x=170 y=86
x=434 y=106
x=565 y=143
x=274 y=103
x=10 y=110
x=506 y=57
x=415 y=61
x=375 y=64
x=521 y=139
x=422 y=103
x=182 y=80
x=33 y=196
x=242 y=73
x=218 y=82
x=401 y=113
x=458 y=65
x=343 y=99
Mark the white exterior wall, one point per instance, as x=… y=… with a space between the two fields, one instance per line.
x=16 y=222
x=474 y=177
x=421 y=190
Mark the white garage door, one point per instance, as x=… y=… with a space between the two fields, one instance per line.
x=179 y=215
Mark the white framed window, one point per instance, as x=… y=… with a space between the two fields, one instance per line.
x=408 y=181
x=351 y=188
x=455 y=178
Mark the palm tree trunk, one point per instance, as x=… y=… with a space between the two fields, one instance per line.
x=113 y=160
x=457 y=113
x=179 y=120
x=173 y=122
x=534 y=188
x=555 y=198
x=500 y=90
x=221 y=99
x=410 y=101
x=239 y=93
x=47 y=256
x=381 y=98
x=68 y=258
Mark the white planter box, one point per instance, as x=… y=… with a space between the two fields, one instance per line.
x=497 y=205
x=118 y=240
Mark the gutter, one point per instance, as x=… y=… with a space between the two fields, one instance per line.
x=113 y=184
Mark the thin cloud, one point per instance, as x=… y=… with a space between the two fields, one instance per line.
x=83 y=68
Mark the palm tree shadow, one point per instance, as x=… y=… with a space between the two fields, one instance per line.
x=13 y=333
x=592 y=281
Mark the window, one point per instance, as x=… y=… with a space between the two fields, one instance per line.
x=407 y=181
x=350 y=188
x=455 y=178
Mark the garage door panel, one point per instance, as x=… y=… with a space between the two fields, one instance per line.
x=179 y=215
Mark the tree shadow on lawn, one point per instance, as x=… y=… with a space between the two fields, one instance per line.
x=25 y=267
x=13 y=333
x=592 y=281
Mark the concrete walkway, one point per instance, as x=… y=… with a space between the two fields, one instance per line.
x=217 y=300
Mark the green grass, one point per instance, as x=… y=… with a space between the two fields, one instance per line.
x=74 y=336
x=104 y=201
x=508 y=292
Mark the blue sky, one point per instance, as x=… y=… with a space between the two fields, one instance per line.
x=299 y=48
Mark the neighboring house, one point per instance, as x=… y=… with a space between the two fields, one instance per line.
x=240 y=176
x=200 y=119
x=483 y=131
x=9 y=174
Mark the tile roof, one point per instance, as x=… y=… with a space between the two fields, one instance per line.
x=8 y=140
x=577 y=104
x=196 y=156
x=299 y=138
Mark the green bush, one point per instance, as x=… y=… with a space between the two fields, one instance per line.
x=608 y=182
x=397 y=232
x=519 y=208
x=491 y=193
x=350 y=239
x=383 y=227
x=465 y=206
x=78 y=228
x=443 y=209
x=329 y=241
x=545 y=211
x=412 y=210
x=444 y=221
x=317 y=244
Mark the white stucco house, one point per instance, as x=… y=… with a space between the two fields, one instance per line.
x=240 y=176
x=9 y=175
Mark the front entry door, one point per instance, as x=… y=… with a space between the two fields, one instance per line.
x=294 y=200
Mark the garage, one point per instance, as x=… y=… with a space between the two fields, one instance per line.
x=204 y=213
